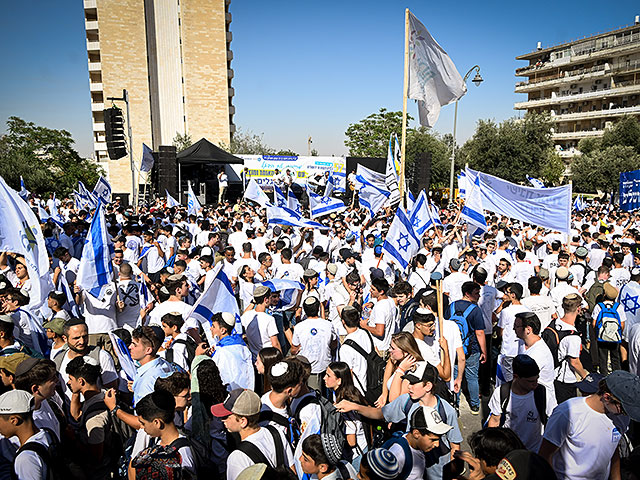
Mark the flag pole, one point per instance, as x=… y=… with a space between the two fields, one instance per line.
x=405 y=91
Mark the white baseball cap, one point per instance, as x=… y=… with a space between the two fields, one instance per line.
x=16 y=401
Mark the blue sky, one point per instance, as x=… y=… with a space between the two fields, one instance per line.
x=305 y=68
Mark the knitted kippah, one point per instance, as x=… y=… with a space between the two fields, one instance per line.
x=331 y=448
x=383 y=463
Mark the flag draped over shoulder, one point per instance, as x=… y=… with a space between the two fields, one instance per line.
x=401 y=243
x=434 y=80
x=20 y=233
x=254 y=193
x=95 y=270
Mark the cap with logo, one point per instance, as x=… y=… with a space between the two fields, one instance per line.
x=428 y=418
x=16 y=401
x=421 y=372
x=239 y=402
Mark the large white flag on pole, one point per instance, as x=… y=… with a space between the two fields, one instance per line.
x=434 y=80
x=193 y=205
x=95 y=270
x=171 y=202
x=254 y=193
x=20 y=233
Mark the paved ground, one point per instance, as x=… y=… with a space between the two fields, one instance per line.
x=468 y=422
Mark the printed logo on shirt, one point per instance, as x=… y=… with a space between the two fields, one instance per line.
x=531 y=417
x=615 y=435
x=505 y=470
x=314 y=331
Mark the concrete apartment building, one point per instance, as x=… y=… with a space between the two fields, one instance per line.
x=174 y=59
x=585 y=84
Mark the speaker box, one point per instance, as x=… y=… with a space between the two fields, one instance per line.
x=421 y=173
x=167 y=171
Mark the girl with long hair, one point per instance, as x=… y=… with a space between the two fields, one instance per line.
x=403 y=354
x=267 y=357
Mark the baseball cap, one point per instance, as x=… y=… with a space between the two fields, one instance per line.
x=523 y=465
x=16 y=401
x=11 y=362
x=421 y=372
x=239 y=402
x=562 y=273
x=56 y=325
x=625 y=386
x=590 y=383
x=26 y=365
x=383 y=463
x=428 y=418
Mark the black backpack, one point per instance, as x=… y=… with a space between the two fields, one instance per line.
x=375 y=370
x=190 y=345
x=331 y=420
x=57 y=468
x=256 y=456
x=539 y=398
x=552 y=336
x=268 y=416
x=206 y=466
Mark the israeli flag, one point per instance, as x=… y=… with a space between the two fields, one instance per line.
x=63 y=286
x=435 y=215
x=324 y=205
x=279 y=198
x=193 y=205
x=124 y=356
x=411 y=200
x=462 y=184
x=420 y=216
x=293 y=203
x=77 y=201
x=24 y=193
x=145 y=295
x=401 y=242
x=286 y=216
x=219 y=297
x=54 y=214
x=397 y=157
x=331 y=184
x=102 y=190
x=371 y=196
x=87 y=198
x=254 y=193
x=147 y=159
x=391 y=178
x=579 y=204
x=472 y=211
x=38 y=334
x=535 y=182
x=289 y=292
x=95 y=270
x=171 y=202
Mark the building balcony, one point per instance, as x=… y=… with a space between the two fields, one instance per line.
x=232 y=92
x=91 y=26
x=612 y=112
x=97 y=107
x=100 y=146
x=577 y=135
x=98 y=127
x=95 y=87
x=93 y=46
x=95 y=66
x=227 y=17
x=89 y=4
x=622 y=88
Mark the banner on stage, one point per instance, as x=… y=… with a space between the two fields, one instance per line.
x=630 y=190
x=262 y=169
x=545 y=207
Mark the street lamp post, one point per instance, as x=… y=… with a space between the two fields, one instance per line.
x=477 y=80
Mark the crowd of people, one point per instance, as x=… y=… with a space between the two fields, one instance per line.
x=349 y=367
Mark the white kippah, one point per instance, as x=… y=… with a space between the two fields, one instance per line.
x=90 y=361
x=279 y=369
x=423 y=311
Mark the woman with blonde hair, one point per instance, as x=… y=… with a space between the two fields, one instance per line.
x=403 y=354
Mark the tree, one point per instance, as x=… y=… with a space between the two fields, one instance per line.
x=314 y=152
x=247 y=143
x=45 y=158
x=600 y=169
x=552 y=168
x=625 y=132
x=287 y=153
x=182 y=142
x=370 y=137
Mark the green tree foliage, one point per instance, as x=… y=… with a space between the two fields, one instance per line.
x=287 y=153
x=600 y=169
x=182 y=142
x=625 y=132
x=248 y=143
x=45 y=158
x=513 y=149
x=370 y=137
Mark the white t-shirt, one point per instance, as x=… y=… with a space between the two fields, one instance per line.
x=44 y=417
x=314 y=336
x=258 y=333
x=569 y=346
x=522 y=416
x=100 y=313
x=586 y=440
x=384 y=312
x=452 y=285
x=506 y=320
x=130 y=295
x=487 y=304
x=356 y=361
x=262 y=439
x=540 y=352
x=542 y=306
x=28 y=465
x=171 y=306
x=267 y=405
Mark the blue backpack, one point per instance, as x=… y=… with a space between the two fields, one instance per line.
x=608 y=324
x=463 y=324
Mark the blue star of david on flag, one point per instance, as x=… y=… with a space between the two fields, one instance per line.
x=630 y=304
x=403 y=242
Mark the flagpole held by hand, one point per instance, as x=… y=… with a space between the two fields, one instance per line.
x=437 y=276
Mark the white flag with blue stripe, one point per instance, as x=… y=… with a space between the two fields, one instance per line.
x=401 y=243
x=579 y=204
x=391 y=177
x=535 y=182
x=147 y=159
x=472 y=210
x=63 y=286
x=371 y=196
x=37 y=334
x=102 y=190
x=217 y=298
x=289 y=292
x=320 y=206
x=411 y=200
x=256 y=194
x=24 y=193
x=331 y=184
x=462 y=184
x=95 y=270
x=293 y=203
x=87 y=198
x=54 y=214
x=435 y=215
x=420 y=216
x=279 y=198
x=193 y=205
x=124 y=357
x=171 y=202
x=286 y=216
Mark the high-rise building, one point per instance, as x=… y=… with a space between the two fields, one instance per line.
x=585 y=85
x=174 y=59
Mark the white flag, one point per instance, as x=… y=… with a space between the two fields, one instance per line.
x=147 y=159
x=102 y=190
x=256 y=194
x=193 y=205
x=433 y=78
x=473 y=211
x=401 y=243
x=171 y=202
x=391 y=178
x=95 y=270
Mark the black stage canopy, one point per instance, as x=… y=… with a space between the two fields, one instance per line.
x=203 y=151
